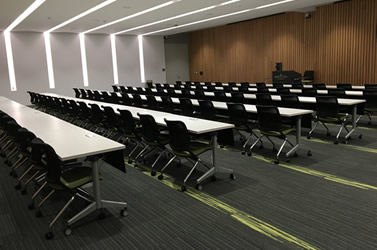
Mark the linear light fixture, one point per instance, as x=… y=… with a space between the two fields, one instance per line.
x=178 y=16
x=50 y=68
x=114 y=57
x=141 y=57
x=132 y=16
x=217 y=17
x=83 y=60
x=8 y=42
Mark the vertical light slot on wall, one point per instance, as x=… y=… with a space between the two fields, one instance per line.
x=83 y=60
x=114 y=57
x=50 y=68
x=8 y=48
x=141 y=56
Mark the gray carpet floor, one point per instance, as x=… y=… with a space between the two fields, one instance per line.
x=326 y=201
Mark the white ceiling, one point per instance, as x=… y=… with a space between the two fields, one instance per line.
x=54 y=12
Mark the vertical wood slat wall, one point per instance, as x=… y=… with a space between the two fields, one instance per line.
x=339 y=42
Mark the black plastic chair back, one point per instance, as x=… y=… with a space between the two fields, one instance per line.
x=179 y=137
x=370 y=96
x=127 y=121
x=244 y=84
x=297 y=86
x=290 y=101
x=346 y=86
x=207 y=110
x=237 y=113
x=106 y=96
x=220 y=96
x=126 y=100
x=278 y=85
x=24 y=138
x=83 y=94
x=53 y=164
x=115 y=98
x=122 y=89
x=232 y=84
x=269 y=118
x=283 y=90
x=338 y=92
x=161 y=92
x=370 y=86
x=36 y=150
x=77 y=92
x=261 y=84
x=327 y=106
x=264 y=99
x=84 y=110
x=96 y=114
x=75 y=108
x=152 y=102
x=91 y=95
x=237 y=97
x=218 y=84
x=309 y=92
x=115 y=88
x=149 y=128
x=186 y=93
x=137 y=101
x=319 y=85
x=207 y=84
x=167 y=103
x=262 y=90
x=186 y=106
x=112 y=119
x=199 y=94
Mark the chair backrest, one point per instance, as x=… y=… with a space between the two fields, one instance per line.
x=370 y=96
x=347 y=86
x=179 y=137
x=370 y=86
x=232 y=84
x=297 y=86
x=245 y=84
x=269 y=118
x=84 y=110
x=96 y=114
x=53 y=164
x=218 y=84
x=91 y=95
x=228 y=88
x=327 y=106
x=207 y=84
x=264 y=99
x=152 y=102
x=24 y=138
x=261 y=84
x=111 y=118
x=126 y=100
x=36 y=150
x=309 y=75
x=290 y=101
x=137 y=101
x=262 y=89
x=83 y=93
x=283 y=90
x=106 y=96
x=207 y=110
x=77 y=92
x=237 y=113
x=338 y=92
x=115 y=88
x=149 y=128
x=237 y=97
x=115 y=98
x=75 y=108
x=319 y=85
x=278 y=85
x=127 y=121
x=220 y=96
x=199 y=94
x=123 y=89
x=167 y=103
x=309 y=92
x=186 y=106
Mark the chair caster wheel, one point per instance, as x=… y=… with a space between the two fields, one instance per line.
x=276 y=161
x=308 y=137
x=248 y=153
x=101 y=216
x=336 y=142
x=213 y=178
x=136 y=165
x=261 y=147
x=68 y=231
x=160 y=177
x=360 y=136
x=153 y=173
x=31 y=206
x=328 y=134
x=183 y=189
x=232 y=176
x=345 y=142
x=23 y=191
x=309 y=153
x=243 y=152
x=129 y=161
x=198 y=187
x=17 y=187
x=49 y=236
x=38 y=214
x=123 y=212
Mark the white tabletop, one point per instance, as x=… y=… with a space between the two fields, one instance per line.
x=69 y=141
x=194 y=125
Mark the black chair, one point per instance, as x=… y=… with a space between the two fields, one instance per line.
x=232 y=84
x=111 y=123
x=207 y=84
x=260 y=84
x=115 y=98
x=123 y=89
x=261 y=89
x=168 y=104
x=137 y=101
x=152 y=103
x=199 y=94
x=83 y=94
x=126 y=100
x=77 y=92
x=245 y=84
x=308 y=77
x=370 y=86
x=278 y=85
x=319 y=86
x=183 y=146
x=346 y=86
x=84 y=115
x=370 y=106
x=220 y=96
x=270 y=125
x=218 y=84
x=115 y=88
x=186 y=93
x=98 y=96
x=97 y=119
x=106 y=96
x=153 y=137
x=297 y=86
x=239 y=117
x=91 y=95
x=338 y=92
x=264 y=99
x=207 y=110
x=290 y=101
x=328 y=112
x=309 y=92
x=283 y=90
x=237 y=97
x=186 y=106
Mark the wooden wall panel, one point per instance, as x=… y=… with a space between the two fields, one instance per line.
x=339 y=42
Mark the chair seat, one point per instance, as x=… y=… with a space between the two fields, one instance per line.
x=162 y=139
x=282 y=133
x=196 y=148
x=338 y=119
x=77 y=177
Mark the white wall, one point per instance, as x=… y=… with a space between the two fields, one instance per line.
x=154 y=58
x=31 y=66
x=177 y=58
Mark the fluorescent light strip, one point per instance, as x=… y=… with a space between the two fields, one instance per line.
x=8 y=42
x=8 y=48
x=133 y=15
x=217 y=17
x=114 y=57
x=83 y=60
x=141 y=57
x=50 y=68
x=179 y=16
x=273 y=4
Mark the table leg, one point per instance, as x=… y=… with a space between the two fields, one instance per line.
x=354 y=111
x=97 y=204
x=298 y=137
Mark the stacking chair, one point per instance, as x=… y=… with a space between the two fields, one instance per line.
x=77 y=92
x=153 y=138
x=161 y=92
x=187 y=108
x=328 y=112
x=218 y=84
x=126 y=100
x=238 y=116
x=278 y=85
x=199 y=94
x=168 y=104
x=152 y=103
x=111 y=123
x=237 y=97
x=370 y=86
x=346 y=86
x=106 y=97
x=297 y=86
x=261 y=84
x=123 y=89
x=244 y=84
x=137 y=101
x=98 y=96
x=91 y=95
x=183 y=146
x=232 y=84
x=207 y=110
x=319 y=85
x=186 y=93
x=262 y=89
x=264 y=99
x=338 y=92
x=309 y=92
x=84 y=115
x=221 y=96
x=370 y=107
x=282 y=90
x=270 y=125
x=97 y=119
x=290 y=101
x=115 y=98
x=115 y=88
x=83 y=94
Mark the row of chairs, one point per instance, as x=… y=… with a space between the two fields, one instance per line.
x=23 y=150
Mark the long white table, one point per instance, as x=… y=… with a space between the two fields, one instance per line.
x=69 y=142
x=194 y=125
